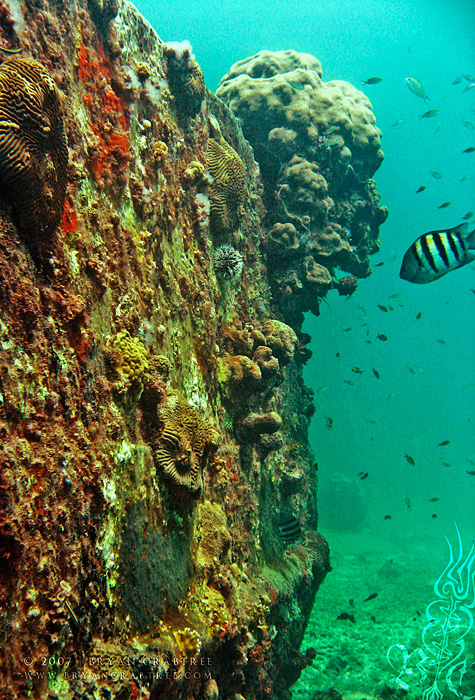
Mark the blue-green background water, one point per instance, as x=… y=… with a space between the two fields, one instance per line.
x=425 y=393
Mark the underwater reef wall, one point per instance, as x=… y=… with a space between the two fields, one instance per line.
x=158 y=494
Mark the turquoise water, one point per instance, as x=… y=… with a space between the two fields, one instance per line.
x=426 y=387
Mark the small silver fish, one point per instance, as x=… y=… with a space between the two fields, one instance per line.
x=436 y=253
x=444 y=205
x=467 y=216
x=416 y=87
x=429 y=114
x=470 y=86
x=469 y=77
x=436 y=174
x=468 y=124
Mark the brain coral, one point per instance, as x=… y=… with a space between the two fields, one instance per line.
x=33 y=148
x=228 y=189
x=185 y=442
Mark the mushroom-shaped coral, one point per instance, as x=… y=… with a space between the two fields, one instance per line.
x=347 y=285
x=185 y=442
x=281 y=339
x=284 y=89
x=228 y=189
x=33 y=148
x=255 y=424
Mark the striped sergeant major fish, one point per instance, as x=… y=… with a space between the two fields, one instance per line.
x=288 y=527
x=438 y=252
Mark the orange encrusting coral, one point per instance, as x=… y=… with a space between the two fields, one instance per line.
x=110 y=120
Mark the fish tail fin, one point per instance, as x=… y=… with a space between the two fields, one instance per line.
x=463 y=232
x=427 y=98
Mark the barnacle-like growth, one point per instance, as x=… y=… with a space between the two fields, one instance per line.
x=214 y=537
x=189 y=641
x=228 y=189
x=185 y=443
x=33 y=148
x=194 y=172
x=131 y=357
x=184 y=77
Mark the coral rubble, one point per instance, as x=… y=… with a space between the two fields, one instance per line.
x=153 y=414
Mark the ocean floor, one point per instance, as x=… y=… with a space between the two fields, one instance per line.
x=352 y=657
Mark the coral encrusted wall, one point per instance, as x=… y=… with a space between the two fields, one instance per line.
x=158 y=495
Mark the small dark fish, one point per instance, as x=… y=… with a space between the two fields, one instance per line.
x=370 y=597
x=376 y=373
x=338 y=354
x=351 y=602
x=446 y=464
x=410 y=460
x=468 y=215
x=346 y=330
x=372 y=618
x=381 y=336
x=470 y=149
x=395 y=296
x=372 y=81
x=418 y=613
x=467 y=124
x=419 y=316
x=434 y=515
x=412 y=371
x=346 y=616
x=434 y=500
x=436 y=174
x=348 y=381
x=329 y=422
x=288 y=527
x=371 y=420
x=421 y=189
x=383 y=308
x=471 y=472
x=357 y=370
x=388 y=517
x=441 y=342
x=379 y=264
x=470 y=461
x=464 y=178
x=363 y=475
x=444 y=443
x=469 y=78
x=408 y=503
x=429 y=114
x=457 y=81
x=444 y=205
